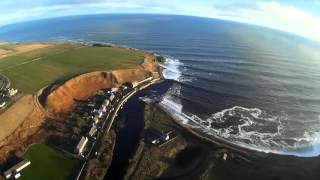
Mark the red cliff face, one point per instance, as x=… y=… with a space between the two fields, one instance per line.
x=62 y=99
x=82 y=87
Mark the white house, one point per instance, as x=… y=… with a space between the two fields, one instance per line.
x=81 y=145
x=93 y=130
x=12 y=92
x=15 y=170
x=100 y=113
x=112 y=96
x=114 y=89
x=106 y=102
x=96 y=120
x=103 y=108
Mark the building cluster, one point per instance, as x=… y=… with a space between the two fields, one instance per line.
x=14 y=171
x=96 y=110
x=157 y=137
x=5 y=95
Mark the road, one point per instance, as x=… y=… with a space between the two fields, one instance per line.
x=106 y=126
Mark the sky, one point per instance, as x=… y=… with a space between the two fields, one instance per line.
x=300 y=17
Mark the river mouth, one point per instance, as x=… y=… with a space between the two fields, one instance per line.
x=220 y=65
x=129 y=126
x=259 y=166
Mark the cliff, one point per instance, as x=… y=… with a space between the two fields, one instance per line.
x=63 y=98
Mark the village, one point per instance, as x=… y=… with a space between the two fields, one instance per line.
x=99 y=113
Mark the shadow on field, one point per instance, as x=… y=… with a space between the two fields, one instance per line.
x=53 y=86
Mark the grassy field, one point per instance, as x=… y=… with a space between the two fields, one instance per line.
x=33 y=70
x=48 y=163
x=7 y=46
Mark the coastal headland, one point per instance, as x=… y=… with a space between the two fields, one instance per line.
x=52 y=79
x=75 y=94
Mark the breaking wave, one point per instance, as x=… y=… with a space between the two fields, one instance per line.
x=250 y=128
x=171 y=69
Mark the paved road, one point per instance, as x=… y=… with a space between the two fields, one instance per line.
x=107 y=124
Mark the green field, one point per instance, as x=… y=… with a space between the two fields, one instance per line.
x=33 y=70
x=48 y=163
x=7 y=46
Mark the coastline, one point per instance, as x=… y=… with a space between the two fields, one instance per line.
x=225 y=144
x=32 y=125
x=223 y=66
x=109 y=128
x=215 y=141
x=253 y=158
x=252 y=165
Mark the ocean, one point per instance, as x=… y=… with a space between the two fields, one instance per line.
x=252 y=86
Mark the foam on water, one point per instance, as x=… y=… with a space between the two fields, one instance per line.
x=313 y=148
x=171 y=69
x=234 y=70
x=251 y=128
x=246 y=127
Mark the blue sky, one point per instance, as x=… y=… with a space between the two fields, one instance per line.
x=296 y=16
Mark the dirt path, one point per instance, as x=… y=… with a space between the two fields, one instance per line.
x=4 y=53
x=18 y=49
x=12 y=118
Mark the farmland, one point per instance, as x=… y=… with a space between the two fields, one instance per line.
x=32 y=70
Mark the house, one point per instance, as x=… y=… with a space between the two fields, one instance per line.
x=112 y=96
x=114 y=89
x=124 y=87
x=90 y=105
x=12 y=92
x=81 y=145
x=100 y=113
x=166 y=136
x=93 y=130
x=96 y=120
x=14 y=172
x=156 y=141
x=104 y=108
x=161 y=135
x=106 y=102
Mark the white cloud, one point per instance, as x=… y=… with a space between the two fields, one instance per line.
x=286 y=18
x=269 y=14
x=276 y=16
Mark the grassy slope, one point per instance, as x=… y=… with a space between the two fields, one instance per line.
x=27 y=73
x=7 y=46
x=47 y=163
